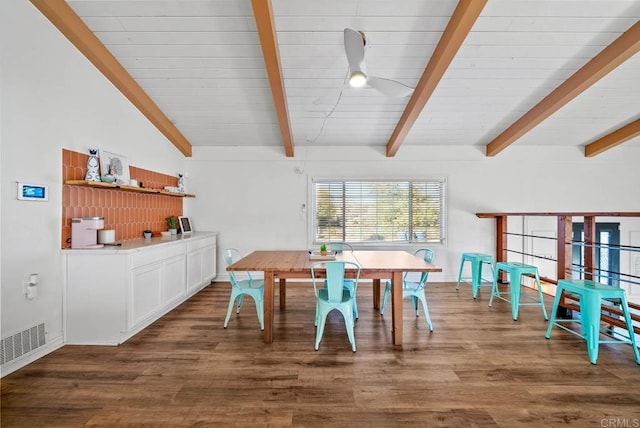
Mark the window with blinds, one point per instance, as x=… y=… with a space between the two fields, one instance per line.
x=379 y=211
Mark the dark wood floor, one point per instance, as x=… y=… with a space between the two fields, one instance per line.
x=477 y=368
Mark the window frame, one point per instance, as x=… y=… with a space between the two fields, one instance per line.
x=312 y=224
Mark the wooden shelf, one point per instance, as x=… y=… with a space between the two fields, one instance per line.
x=126 y=188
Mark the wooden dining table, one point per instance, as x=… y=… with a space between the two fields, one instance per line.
x=376 y=265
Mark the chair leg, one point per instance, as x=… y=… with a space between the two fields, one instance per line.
x=240 y=300
x=320 y=329
x=423 y=299
x=348 y=322
x=260 y=311
x=232 y=300
x=385 y=297
x=355 y=309
x=355 y=304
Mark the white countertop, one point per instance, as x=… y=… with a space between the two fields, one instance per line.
x=138 y=244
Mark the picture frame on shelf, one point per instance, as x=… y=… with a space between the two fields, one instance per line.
x=185 y=225
x=115 y=165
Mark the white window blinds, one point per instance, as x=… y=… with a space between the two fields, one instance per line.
x=369 y=211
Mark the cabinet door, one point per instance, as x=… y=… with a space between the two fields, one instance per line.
x=209 y=263
x=194 y=270
x=174 y=283
x=145 y=294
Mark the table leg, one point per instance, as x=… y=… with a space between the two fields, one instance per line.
x=283 y=293
x=268 y=307
x=396 y=306
x=376 y=293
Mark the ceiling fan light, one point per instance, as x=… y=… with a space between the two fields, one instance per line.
x=357 y=79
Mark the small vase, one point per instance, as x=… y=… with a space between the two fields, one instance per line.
x=181 y=183
x=147 y=235
x=173 y=231
x=92 y=166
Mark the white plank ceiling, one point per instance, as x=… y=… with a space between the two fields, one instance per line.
x=201 y=63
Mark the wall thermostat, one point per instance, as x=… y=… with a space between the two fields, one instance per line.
x=33 y=192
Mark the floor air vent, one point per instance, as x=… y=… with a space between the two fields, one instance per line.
x=22 y=343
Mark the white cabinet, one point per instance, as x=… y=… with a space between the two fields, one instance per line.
x=201 y=263
x=115 y=292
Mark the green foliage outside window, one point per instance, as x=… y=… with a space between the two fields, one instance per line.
x=387 y=211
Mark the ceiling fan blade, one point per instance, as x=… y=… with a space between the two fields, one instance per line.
x=390 y=88
x=354 y=48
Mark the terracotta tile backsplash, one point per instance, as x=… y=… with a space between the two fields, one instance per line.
x=129 y=213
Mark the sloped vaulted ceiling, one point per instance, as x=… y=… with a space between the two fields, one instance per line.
x=272 y=73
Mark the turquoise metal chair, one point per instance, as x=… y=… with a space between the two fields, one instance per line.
x=477 y=261
x=349 y=284
x=412 y=288
x=243 y=284
x=333 y=295
x=591 y=295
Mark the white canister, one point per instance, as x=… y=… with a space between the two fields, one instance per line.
x=106 y=236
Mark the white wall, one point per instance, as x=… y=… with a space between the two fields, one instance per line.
x=253 y=197
x=53 y=98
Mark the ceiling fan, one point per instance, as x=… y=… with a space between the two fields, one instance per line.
x=354 y=42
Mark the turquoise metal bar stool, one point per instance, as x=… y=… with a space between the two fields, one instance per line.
x=591 y=295
x=476 y=260
x=516 y=271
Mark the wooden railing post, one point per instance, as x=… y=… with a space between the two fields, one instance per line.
x=565 y=232
x=501 y=238
x=501 y=243
x=589 y=249
x=563 y=266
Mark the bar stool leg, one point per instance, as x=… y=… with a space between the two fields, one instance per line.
x=632 y=336
x=515 y=294
x=493 y=274
x=544 y=310
x=475 y=277
x=464 y=260
x=556 y=302
x=460 y=272
x=494 y=287
x=590 y=313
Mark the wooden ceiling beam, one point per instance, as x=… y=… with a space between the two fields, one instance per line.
x=623 y=48
x=74 y=29
x=463 y=18
x=613 y=139
x=263 y=13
